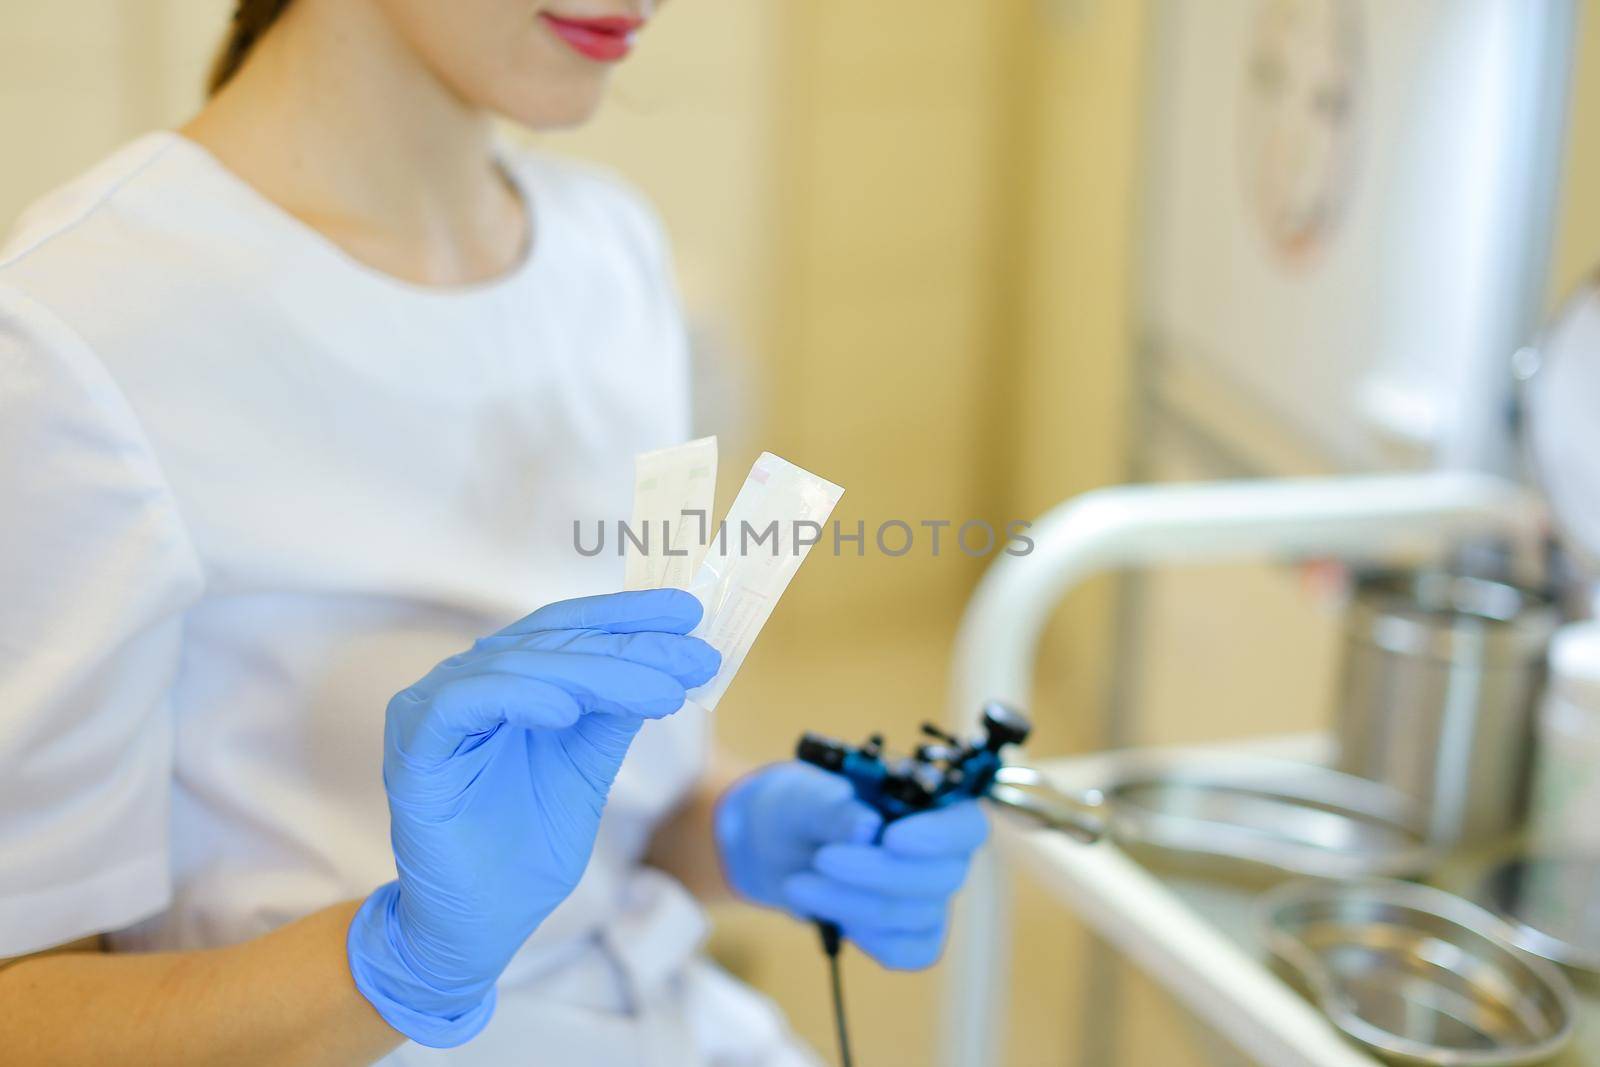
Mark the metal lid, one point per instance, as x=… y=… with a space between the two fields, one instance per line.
x=1432 y=614
x=1560 y=417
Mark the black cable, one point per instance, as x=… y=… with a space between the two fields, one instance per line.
x=838 y=1013
x=831 y=942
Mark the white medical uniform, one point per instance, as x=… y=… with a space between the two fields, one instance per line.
x=249 y=489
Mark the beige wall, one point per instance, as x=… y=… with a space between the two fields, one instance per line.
x=1577 y=246
x=80 y=77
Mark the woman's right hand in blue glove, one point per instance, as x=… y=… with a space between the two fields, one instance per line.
x=497 y=766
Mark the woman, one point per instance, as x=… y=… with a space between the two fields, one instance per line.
x=295 y=403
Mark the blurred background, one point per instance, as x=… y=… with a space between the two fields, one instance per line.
x=969 y=259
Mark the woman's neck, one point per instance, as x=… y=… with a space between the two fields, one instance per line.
x=334 y=118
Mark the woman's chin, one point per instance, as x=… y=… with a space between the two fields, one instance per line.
x=550 y=107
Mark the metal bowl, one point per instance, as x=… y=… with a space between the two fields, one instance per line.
x=1417 y=975
x=1264 y=817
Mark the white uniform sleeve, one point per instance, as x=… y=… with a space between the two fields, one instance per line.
x=95 y=572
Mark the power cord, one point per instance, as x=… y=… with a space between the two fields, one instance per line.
x=831 y=942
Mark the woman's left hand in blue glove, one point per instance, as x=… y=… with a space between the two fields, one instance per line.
x=794 y=837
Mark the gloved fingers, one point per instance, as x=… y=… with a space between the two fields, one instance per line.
x=824 y=807
x=952 y=832
x=900 y=951
x=818 y=897
x=598 y=743
x=877 y=870
x=478 y=704
x=597 y=683
x=672 y=611
x=688 y=659
x=616 y=686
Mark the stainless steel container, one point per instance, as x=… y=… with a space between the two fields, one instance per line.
x=1417 y=975
x=1440 y=679
x=1551 y=904
x=1256 y=818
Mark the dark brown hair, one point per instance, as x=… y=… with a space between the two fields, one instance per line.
x=251 y=20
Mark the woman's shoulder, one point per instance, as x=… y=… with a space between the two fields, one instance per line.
x=148 y=233
x=143 y=225
x=72 y=213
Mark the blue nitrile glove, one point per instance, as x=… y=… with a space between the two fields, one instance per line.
x=793 y=836
x=497 y=766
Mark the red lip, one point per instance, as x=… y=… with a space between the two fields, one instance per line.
x=604 y=39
